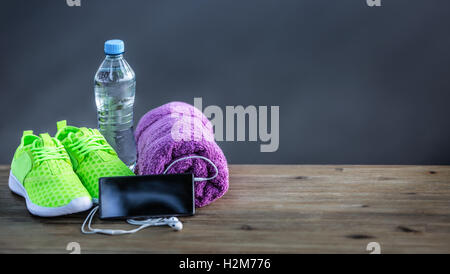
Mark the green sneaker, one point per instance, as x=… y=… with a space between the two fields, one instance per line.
x=42 y=173
x=92 y=157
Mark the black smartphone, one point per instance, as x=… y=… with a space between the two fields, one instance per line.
x=146 y=196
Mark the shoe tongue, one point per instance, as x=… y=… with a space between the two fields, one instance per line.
x=85 y=131
x=46 y=140
x=82 y=132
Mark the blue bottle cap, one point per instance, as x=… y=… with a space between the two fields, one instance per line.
x=114 y=47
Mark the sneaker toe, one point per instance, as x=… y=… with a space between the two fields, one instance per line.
x=79 y=204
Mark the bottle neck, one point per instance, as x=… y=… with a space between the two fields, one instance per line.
x=114 y=57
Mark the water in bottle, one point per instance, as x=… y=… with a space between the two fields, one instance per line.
x=115 y=86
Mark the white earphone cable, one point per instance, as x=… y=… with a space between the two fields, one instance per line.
x=172 y=221
x=195 y=157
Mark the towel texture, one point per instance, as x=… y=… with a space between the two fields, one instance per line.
x=177 y=130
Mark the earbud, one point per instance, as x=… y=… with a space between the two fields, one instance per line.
x=178 y=226
x=174 y=223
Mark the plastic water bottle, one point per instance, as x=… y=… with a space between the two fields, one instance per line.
x=115 y=86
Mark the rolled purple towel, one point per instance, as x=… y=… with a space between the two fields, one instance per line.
x=177 y=130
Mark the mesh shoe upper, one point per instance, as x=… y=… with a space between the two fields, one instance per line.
x=49 y=180
x=91 y=155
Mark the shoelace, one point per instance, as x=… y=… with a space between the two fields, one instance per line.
x=87 y=144
x=49 y=153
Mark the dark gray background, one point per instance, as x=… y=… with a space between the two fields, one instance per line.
x=355 y=85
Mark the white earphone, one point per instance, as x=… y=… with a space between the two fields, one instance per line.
x=173 y=222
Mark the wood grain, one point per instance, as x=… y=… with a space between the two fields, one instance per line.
x=270 y=209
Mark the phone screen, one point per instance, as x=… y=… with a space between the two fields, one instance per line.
x=146 y=196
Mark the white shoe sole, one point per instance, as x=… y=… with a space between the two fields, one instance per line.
x=76 y=205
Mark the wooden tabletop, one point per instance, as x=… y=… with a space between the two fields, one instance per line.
x=270 y=209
